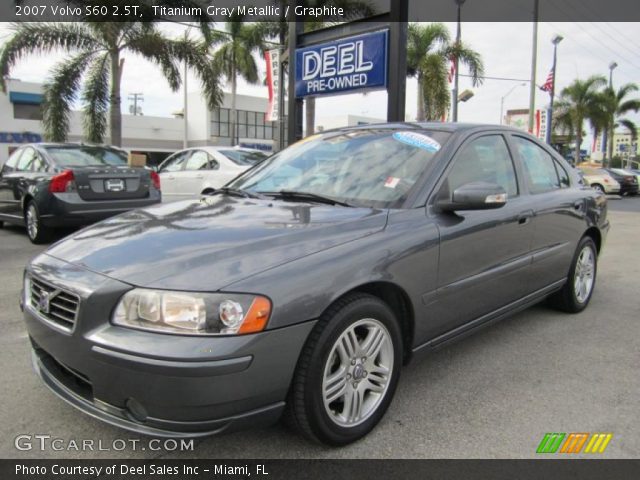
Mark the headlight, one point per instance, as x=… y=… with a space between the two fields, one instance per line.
x=190 y=313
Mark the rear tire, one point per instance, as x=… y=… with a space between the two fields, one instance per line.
x=36 y=231
x=597 y=187
x=581 y=281
x=347 y=373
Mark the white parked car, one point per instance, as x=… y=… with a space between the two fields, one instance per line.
x=195 y=171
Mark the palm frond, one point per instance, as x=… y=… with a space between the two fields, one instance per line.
x=630 y=126
x=59 y=93
x=158 y=49
x=472 y=60
x=197 y=58
x=95 y=97
x=29 y=38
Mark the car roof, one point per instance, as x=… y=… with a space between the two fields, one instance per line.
x=448 y=127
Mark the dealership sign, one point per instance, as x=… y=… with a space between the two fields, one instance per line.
x=16 y=137
x=272 y=58
x=344 y=65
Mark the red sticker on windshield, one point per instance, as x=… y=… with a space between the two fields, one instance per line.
x=392 y=182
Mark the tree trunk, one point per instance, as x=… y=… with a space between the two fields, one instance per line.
x=610 y=147
x=234 y=113
x=420 y=103
x=115 y=113
x=310 y=115
x=578 y=144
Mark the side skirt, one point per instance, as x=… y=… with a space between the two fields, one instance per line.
x=473 y=326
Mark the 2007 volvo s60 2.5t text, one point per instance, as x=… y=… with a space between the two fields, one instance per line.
x=304 y=284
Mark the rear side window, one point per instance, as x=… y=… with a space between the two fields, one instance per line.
x=539 y=166
x=12 y=162
x=199 y=160
x=485 y=159
x=27 y=160
x=563 y=176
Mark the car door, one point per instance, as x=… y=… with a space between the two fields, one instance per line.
x=559 y=212
x=16 y=178
x=485 y=255
x=170 y=175
x=200 y=173
x=8 y=174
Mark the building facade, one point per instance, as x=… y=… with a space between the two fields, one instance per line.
x=157 y=137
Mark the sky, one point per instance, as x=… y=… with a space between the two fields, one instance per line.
x=587 y=49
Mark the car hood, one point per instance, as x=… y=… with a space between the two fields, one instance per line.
x=206 y=244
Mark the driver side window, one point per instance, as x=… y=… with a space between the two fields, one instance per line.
x=175 y=163
x=484 y=159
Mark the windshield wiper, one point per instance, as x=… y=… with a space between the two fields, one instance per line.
x=237 y=192
x=314 y=197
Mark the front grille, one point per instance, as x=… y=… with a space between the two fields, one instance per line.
x=56 y=305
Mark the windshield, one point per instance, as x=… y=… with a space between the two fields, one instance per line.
x=87 y=156
x=372 y=167
x=243 y=157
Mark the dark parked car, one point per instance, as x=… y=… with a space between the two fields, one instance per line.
x=44 y=186
x=628 y=180
x=308 y=281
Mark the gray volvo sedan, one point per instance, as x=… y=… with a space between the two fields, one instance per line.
x=303 y=285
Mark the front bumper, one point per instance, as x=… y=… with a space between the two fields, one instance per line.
x=158 y=384
x=68 y=209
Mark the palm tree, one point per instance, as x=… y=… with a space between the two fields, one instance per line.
x=235 y=58
x=429 y=52
x=578 y=102
x=615 y=105
x=97 y=49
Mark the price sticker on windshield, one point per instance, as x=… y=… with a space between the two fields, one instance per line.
x=417 y=140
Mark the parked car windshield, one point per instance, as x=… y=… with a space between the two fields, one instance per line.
x=87 y=156
x=369 y=167
x=244 y=158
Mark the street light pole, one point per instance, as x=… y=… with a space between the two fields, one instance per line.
x=185 y=120
x=612 y=65
x=505 y=96
x=605 y=133
x=556 y=40
x=454 y=94
x=534 y=61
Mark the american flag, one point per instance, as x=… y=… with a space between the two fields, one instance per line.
x=548 y=84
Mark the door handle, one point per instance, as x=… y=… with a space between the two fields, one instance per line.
x=524 y=217
x=578 y=205
x=199 y=176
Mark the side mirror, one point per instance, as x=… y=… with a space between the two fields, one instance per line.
x=475 y=196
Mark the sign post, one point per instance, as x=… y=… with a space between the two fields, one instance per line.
x=349 y=57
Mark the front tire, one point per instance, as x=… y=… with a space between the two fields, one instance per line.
x=577 y=291
x=36 y=231
x=348 y=371
x=598 y=188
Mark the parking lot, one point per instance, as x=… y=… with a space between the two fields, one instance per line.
x=493 y=395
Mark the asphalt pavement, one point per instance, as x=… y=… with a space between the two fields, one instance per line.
x=493 y=395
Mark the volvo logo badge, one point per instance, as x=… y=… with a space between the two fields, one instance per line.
x=44 y=302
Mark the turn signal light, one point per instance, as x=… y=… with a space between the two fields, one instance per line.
x=155 y=178
x=63 y=182
x=257 y=316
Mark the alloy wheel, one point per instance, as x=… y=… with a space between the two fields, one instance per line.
x=32 y=222
x=357 y=372
x=584 y=274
